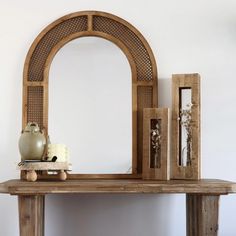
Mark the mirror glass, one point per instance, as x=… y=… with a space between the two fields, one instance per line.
x=90 y=106
x=185 y=127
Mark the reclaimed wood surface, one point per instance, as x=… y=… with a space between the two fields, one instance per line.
x=45 y=166
x=193 y=171
x=204 y=186
x=202 y=215
x=31 y=215
x=92 y=176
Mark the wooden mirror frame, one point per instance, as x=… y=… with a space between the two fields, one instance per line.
x=106 y=26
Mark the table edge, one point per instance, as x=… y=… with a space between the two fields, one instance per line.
x=16 y=187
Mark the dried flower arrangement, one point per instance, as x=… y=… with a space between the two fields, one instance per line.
x=186 y=122
x=156 y=143
x=156 y=146
x=185 y=139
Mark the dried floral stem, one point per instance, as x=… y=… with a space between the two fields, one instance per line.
x=186 y=123
x=156 y=145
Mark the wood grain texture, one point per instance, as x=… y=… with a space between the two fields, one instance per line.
x=45 y=166
x=31 y=215
x=85 y=24
x=3 y=188
x=194 y=170
x=93 y=176
x=202 y=215
x=17 y=187
x=161 y=114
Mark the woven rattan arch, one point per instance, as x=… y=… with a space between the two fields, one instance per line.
x=83 y=24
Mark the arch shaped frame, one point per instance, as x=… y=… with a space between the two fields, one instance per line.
x=85 y=24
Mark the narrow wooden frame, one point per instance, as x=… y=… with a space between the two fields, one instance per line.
x=106 y=26
x=160 y=115
x=180 y=81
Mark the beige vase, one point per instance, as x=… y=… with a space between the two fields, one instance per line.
x=32 y=143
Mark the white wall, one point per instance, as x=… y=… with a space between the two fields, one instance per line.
x=186 y=36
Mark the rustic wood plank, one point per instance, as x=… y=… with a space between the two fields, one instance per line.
x=3 y=188
x=180 y=81
x=45 y=166
x=94 y=176
x=202 y=215
x=90 y=22
x=17 y=187
x=31 y=215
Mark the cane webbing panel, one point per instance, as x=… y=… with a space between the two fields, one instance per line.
x=145 y=100
x=50 y=39
x=35 y=105
x=131 y=40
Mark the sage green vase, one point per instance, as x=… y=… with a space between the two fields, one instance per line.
x=32 y=143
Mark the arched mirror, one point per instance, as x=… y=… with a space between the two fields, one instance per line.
x=90 y=105
x=87 y=78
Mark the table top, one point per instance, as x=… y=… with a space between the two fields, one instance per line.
x=203 y=186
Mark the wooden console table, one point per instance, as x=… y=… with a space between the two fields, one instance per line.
x=202 y=199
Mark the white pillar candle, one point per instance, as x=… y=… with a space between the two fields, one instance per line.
x=58 y=150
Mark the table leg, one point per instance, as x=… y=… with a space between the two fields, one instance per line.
x=31 y=215
x=202 y=214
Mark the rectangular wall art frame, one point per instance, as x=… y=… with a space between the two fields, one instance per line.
x=156 y=143
x=186 y=127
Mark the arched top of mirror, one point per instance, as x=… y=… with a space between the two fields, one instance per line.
x=91 y=23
